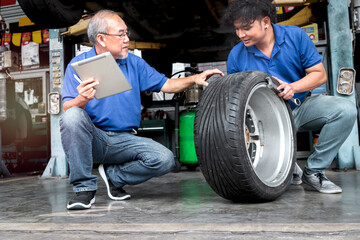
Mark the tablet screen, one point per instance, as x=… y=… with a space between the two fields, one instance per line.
x=105 y=70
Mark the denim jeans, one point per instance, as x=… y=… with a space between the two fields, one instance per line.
x=129 y=159
x=335 y=117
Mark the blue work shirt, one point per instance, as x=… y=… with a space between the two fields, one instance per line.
x=293 y=52
x=122 y=111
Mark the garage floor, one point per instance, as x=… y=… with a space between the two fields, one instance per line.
x=177 y=206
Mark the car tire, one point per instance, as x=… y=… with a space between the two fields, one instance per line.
x=245 y=138
x=53 y=13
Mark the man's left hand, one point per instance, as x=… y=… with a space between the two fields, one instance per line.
x=285 y=89
x=201 y=78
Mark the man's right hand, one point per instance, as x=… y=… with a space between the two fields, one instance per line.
x=87 y=89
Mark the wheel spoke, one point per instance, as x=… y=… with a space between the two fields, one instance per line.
x=252 y=137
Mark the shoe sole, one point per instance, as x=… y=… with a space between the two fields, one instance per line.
x=80 y=206
x=322 y=191
x=296 y=182
x=103 y=176
x=334 y=191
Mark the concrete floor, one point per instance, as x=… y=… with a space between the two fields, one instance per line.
x=177 y=206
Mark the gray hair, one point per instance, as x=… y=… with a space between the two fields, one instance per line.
x=98 y=24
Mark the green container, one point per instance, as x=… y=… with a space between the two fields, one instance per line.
x=186 y=135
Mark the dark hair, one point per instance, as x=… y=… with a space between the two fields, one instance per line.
x=248 y=11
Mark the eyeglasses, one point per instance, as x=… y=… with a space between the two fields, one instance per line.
x=121 y=35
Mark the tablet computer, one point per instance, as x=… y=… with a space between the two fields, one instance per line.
x=105 y=70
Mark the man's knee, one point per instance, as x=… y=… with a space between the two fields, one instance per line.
x=347 y=110
x=167 y=161
x=72 y=118
x=164 y=162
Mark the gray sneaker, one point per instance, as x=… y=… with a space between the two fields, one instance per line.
x=297 y=174
x=321 y=183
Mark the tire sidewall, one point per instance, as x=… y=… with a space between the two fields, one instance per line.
x=233 y=90
x=254 y=78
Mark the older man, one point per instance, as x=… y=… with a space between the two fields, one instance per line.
x=100 y=130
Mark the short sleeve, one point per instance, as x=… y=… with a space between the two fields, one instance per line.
x=69 y=90
x=231 y=64
x=309 y=55
x=150 y=79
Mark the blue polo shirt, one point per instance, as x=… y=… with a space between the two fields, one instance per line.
x=120 y=112
x=293 y=52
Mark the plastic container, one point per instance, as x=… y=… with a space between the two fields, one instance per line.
x=186 y=136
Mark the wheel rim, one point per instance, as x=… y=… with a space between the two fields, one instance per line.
x=268 y=135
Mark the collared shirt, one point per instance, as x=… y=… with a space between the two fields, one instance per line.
x=293 y=52
x=119 y=112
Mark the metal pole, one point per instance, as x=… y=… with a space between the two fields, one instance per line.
x=341 y=55
x=3 y=170
x=57 y=165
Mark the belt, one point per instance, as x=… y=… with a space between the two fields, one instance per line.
x=132 y=131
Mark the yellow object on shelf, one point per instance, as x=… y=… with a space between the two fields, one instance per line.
x=303 y=17
x=293 y=2
x=312 y=32
x=77 y=29
x=145 y=45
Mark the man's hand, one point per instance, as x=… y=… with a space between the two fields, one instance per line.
x=285 y=89
x=87 y=89
x=201 y=78
x=174 y=85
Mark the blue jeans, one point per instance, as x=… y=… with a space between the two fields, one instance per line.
x=335 y=117
x=129 y=159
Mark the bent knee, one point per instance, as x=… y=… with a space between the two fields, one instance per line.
x=72 y=118
x=163 y=161
x=340 y=108
x=348 y=111
x=167 y=160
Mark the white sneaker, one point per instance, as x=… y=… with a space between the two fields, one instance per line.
x=114 y=193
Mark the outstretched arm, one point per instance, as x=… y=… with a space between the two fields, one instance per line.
x=174 y=85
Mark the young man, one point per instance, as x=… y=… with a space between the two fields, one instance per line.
x=288 y=54
x=101 y=131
